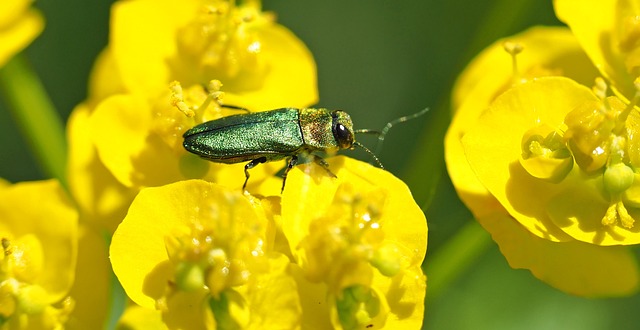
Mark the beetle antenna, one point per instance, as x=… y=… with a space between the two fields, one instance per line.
x=367 y=131
x=383 y=133
x=355 y=143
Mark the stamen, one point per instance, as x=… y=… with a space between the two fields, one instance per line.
x=611 y=216
x=514 y=48
x=177 y=99
x=624 y=114
x=625 y=218
x=600 y=88
x=213 y=94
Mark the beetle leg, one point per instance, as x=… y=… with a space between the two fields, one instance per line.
x=290 y=164
x=320 y=161
x=249 y=166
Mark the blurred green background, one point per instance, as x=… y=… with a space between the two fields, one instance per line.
x=378 y=60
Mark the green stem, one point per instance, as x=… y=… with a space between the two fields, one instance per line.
x=35 y=115
x=455 y=257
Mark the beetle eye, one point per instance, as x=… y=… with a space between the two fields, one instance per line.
x=343 y=136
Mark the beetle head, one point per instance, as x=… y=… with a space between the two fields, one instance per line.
x=342 y=128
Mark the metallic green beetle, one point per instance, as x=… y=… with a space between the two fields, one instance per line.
x=261 y=137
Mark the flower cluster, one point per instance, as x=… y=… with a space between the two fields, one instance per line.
x=40 y=284
x=341 y=253
x=190 y=248
x=547 y=164
x=203 y=255
x=198 y=254
x=128 y=135
x=19 y=25
x=39 y=247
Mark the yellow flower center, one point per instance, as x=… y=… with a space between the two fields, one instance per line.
x=222 y=42
x=212 y=259
x=20 y=267
x=196 y=105
x=600 y=136
x=360 y=307
x=217 y=252
x=544 y=154
x=343 y=249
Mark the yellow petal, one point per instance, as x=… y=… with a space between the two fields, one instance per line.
x=289 y=60
x=20 y=33
x=10 y=11
x=314 y=301
x=53 y=223
x=139 y=251
x=470 y=190
x=102 y=199
x=579 y=212
x=574 y=267
x=92 y=286
x=547 y=51
x=143 y=38
x=188 y=310
x=493 y=148
x=144 y=41
x=139 y=318
x=405 y=296
x=399 y=232
x=121 y=129
x=597 y=25
x=310 y=191
x=274 y=297
x=105 y=79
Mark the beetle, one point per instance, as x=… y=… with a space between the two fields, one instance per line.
x=286 y=133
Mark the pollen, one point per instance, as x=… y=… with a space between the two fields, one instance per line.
x=215 y=251
x=222 y=41
x=544 y=155
x=196 y=104
x=602 y=137
x=589 y=131
x=347 y=244
x=20 y=267
x=177 y=99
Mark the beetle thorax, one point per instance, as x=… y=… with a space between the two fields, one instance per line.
x=317 y=129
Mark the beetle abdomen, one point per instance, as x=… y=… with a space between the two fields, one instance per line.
x=275 y=134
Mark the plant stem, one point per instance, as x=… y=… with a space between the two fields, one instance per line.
x=35 y=115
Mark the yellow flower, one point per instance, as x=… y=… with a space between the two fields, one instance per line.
x=131 y=122
x=544 y=164
x=155 y=42
x=92 y=285
x=363 y=237
x=140 y=318
x=39 y=242
x=331 y=252
x=609 y=33
x=201 y=254
x=101 y=198
x=547 y=51
x=19 y=25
